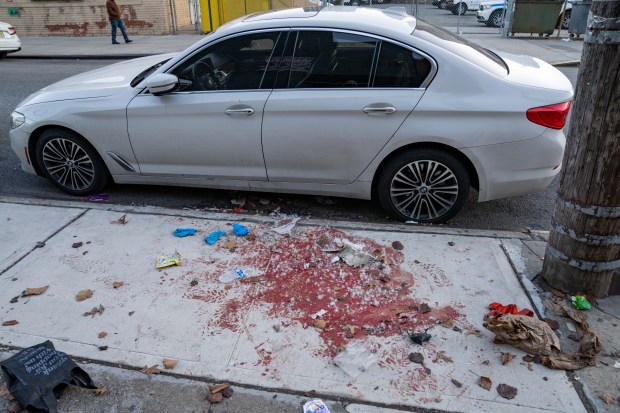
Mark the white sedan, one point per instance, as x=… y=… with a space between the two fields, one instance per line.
x=341 y=101
x=9 y=41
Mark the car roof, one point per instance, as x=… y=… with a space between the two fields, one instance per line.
x=391 y=19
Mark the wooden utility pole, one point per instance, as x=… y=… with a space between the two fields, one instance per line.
x=583 y=253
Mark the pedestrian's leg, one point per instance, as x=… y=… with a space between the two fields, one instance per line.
x=122 y=27
x=113 y=23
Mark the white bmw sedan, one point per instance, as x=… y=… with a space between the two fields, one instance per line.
x=339 y=101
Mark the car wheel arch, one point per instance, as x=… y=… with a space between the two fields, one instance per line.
x=469 y=165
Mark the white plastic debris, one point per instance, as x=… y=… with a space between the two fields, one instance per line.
x=617 y=365
x=411 y=222
x=287 y=228
x=318 y=314
x=355 y=359
x=335 y=259
x=315 y=406
x=354 y=257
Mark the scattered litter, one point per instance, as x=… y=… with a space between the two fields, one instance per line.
x=239 y=202
x=169 y=364
x=528 y=358
x=573 y=336
x=99 y=391
x=498 y=309
x=318 y=314
x=557 y=293
x=96 y=198
x=566 y=39
x=9 y=323
x=95 y=311
x=320 y=324
x=315 y=406
x=193 y=283
x=424 y=308
x=355 y=359
x=122 y=220
x=607 y=398
x=354 y=257
x=419 y=338
x=335 y=259
x=215 y=397
x=218 y=387
x=34 y=291
x=84 y=295
x=485 y=383
x=286 y=228
x=506 y=391
x=457 y=383
x=102 y=334
x=240 y=230
x=214 y=236
x=169 y=260
x=447 y=323
x=184 y=232
x=442 y=355
x=416 y=358
x=581 y=303
x=397 y=245
x=232 y=275
x=14 y=299
x=552 y=323
x=506 y=357
x=473 y=330
x=77 y=244
x=150 y=370
x=117 y=284
x=37 y=391
x=230 y=245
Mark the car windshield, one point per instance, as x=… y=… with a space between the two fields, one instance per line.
x=136 y=80
x=482 y=57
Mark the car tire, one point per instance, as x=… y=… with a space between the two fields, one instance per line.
x=70 y=162
x=496 y=19
x=405 y=192
x=459 y=8
x=566 y=21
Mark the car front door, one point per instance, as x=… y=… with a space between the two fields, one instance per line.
x=338 y=98
x=211 y=127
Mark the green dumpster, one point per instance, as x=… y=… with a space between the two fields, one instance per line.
x=535 y=16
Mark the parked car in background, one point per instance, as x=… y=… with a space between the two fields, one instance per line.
x=9 y=41
x=354 y=102
x=491 y=13
x=462 y=6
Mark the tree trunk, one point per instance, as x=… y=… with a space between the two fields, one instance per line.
x=583 y=254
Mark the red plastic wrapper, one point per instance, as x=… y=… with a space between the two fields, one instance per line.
x=498 y=309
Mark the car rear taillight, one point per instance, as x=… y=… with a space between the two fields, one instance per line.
x=12 y=31
x=552 y=116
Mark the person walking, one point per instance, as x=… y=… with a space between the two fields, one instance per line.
x=115 y=21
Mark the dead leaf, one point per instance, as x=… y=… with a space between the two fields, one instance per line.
x=228 y=286
x=117 y=284
x=151 y=370
x=9 y=323
x=312 y=394
x=250 y=237
x=424 y=308
x=215 y=397
x=607 y=398
x=84 y=295
x=557 y=293
x=77 y=244
x=102 y=334
x=506 y=391
x=397 y=245
x=216 y=388
x=474 y=331
x=230 y=245
x=485 y=382
x=320 y=324
x=95 y=311
x=443 y=356
x=528 y=358
x=529 y=367
x=100 y=391
x=169 y=364
x=506 y=357
x=448 y=323
x=122 y=220
x=4 y=390
x=34 y=291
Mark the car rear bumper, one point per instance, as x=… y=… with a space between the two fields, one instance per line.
x=518 y=168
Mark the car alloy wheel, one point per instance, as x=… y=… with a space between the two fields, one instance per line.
x=496 y=19
x=426 y=186
x=70 y=163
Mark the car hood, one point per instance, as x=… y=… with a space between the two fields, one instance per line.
x=533 y=72
x=101 y=82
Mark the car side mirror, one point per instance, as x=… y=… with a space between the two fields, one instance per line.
x=162 y=83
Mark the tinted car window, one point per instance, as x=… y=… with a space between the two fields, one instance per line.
x=238 y=63
x=400 y=67
x=323 y=59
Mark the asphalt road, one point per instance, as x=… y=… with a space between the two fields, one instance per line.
x=19 y=78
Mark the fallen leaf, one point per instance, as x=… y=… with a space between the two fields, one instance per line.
x=102 y=334
x=215 y=397
x=169 y=364
x=397 y=245
x=122 y=220
x=117 y=284
x=320 y=324
x=230 y=245
x=557 y=293
x=100 y=391
x=607 y=398
x=312 y=394
x=34 y=291
x=385 y=279
x=474 y=331
x=103 y=348
x=448 y=323
x=528 y=358
x=506 y=391
x=451 y=243
x=216 y=388
x=443 y=356
x=416 y=358
x=506 y=357
x=529 y=367
x=9 y=323
x=95 y=311
x=250 y=237
x=228 y=286
x=84 y=295
x=552 y=323
x=151 y=370
x=485 y=382
x=424 y=308
x=4 y=390
x=77 y=244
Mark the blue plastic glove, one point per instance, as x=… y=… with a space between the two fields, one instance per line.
x=214 y=236
x=184 y=232
x=240 y=230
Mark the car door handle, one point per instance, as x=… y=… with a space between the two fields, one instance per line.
x=377 y=109
x=245 y=110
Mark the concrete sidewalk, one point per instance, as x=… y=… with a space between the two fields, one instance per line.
x=552 y=50
x=259 y=333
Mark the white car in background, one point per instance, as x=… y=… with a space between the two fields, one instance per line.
x=9 y=41
x=462 y=6
x=491 y=13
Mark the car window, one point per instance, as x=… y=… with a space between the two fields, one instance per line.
x=324 y=59
x=237 y=63
x=400 y=67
